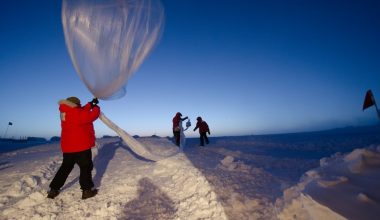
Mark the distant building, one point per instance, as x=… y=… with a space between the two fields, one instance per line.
x=55 y=138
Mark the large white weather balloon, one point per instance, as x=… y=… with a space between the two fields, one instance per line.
x=109 y=39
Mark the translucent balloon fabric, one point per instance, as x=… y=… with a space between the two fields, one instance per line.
x=109 y=39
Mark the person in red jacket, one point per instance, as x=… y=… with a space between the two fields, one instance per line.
x=77 y=139
x=176 y=127
x=203 y=129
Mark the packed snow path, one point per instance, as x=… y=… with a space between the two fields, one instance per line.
x=129 y=188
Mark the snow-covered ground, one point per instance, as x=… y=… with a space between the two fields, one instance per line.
x=343 y=187
x=248 y=177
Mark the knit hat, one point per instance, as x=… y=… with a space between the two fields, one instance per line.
x=74 y=100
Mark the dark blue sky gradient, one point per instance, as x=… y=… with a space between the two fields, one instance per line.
x=245 y=66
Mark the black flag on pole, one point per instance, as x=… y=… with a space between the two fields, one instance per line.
x=369 y=100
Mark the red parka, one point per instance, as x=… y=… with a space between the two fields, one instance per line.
x=77 y=129
x=203 y=126
x=176 y=120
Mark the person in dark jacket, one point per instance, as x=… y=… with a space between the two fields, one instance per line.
x=176 y=127
x=203 y=130
x=77 y=139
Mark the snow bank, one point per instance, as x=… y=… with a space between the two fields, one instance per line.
x=343 y=187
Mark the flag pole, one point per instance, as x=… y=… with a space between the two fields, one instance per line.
x=377 y=109
x=5 y=133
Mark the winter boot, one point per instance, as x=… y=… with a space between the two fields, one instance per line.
x=89 y=193
x=53 y=193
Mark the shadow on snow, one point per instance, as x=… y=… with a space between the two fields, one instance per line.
x=151 y=203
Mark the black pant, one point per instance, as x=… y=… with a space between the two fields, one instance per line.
x=203 y=138
x=84 y=161
x=177 y=137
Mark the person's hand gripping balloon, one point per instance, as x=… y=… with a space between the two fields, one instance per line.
x=94 y=102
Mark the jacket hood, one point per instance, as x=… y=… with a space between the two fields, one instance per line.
x=65 y=105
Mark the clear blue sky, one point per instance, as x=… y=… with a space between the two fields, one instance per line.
x=245 y=66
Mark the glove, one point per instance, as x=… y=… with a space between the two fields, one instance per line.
x=94 y=102
x=209 y=133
